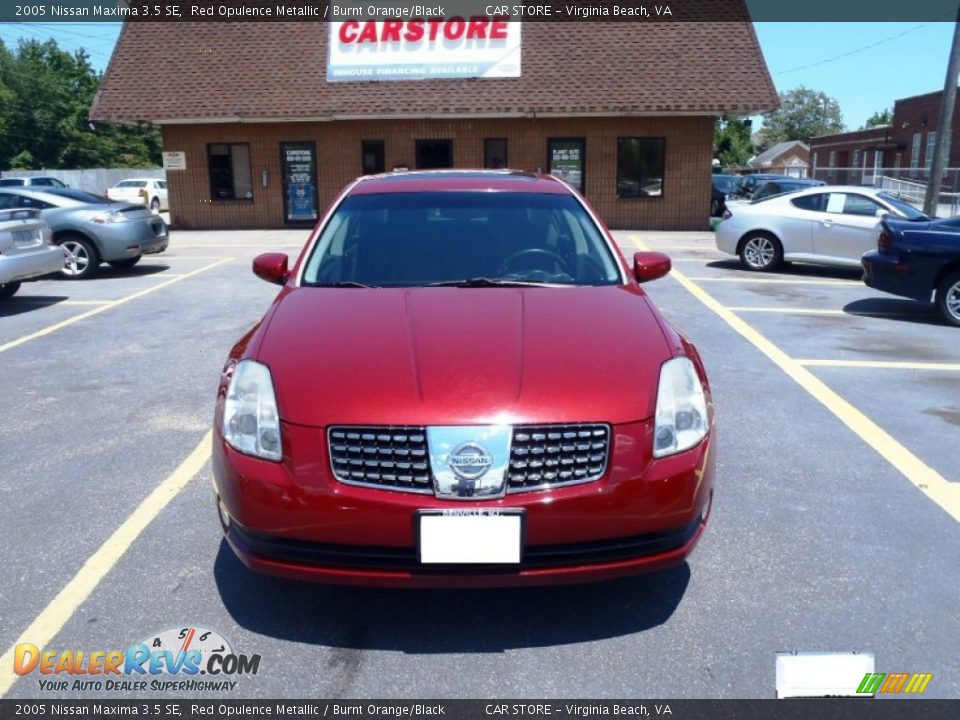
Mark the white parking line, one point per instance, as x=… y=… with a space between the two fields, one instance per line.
x=774 y=281
x=882 y=364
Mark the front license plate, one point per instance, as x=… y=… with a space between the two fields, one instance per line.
x=484 y=537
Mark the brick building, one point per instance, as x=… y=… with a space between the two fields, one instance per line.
x=902 y=150
x=266 y=136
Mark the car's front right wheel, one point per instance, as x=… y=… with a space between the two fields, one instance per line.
x=948 y=299
x=761 y=251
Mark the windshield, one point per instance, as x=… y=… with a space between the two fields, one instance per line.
x=725 y=183
x=417 y=239
x=12 y=182
x=906 y=209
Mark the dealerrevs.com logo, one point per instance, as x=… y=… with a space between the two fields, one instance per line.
x=185 y=659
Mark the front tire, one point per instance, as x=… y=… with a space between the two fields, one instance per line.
x=761 y=252
x=948 y=299
x=82 y=258
x=714 y=208
x=126 y=263
x=8 y=290
x=155 y=205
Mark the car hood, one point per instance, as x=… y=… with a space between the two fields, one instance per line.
x=423 y=356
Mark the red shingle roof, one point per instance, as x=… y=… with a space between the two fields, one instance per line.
x=208 y=71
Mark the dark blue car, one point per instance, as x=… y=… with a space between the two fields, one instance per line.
x=918 y=259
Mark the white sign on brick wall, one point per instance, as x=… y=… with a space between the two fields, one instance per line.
x=175 y=160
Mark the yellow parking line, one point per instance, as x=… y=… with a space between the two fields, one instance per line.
x=102 y=308
x=56 y=614
x=881 y=364
x=776 y=281
x=931 y=483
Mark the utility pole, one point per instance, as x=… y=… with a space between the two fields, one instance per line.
x=945 y=126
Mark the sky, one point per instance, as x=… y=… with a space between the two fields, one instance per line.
x=865 y=66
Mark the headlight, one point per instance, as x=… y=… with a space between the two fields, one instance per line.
x=681 y=420
x=250 y=420
x=111 y=216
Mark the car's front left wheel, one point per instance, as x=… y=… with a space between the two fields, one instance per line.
x=948 y=299
x=82 y=257
x=761 y=251
x=155 y=205
x=8 y=290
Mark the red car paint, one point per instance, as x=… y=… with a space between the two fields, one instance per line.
x=390 y=356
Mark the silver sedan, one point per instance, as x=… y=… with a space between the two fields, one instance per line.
x=92 y=229
x=25 y=249
x=830 y=225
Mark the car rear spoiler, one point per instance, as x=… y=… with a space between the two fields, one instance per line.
x=20 y=214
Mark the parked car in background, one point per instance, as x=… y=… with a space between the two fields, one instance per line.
x=513 y=458
x=779 y=187
x=919 y=260
x=92 y=229
x=145 y=191
x=32 y=182
x=748 y=184
x=722 y=185
x=26 y=250
x=830 y=224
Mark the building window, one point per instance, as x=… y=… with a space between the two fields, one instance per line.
x=434 y=154
x=640 y=163
x=833 y=160
x=230 y=176
x=373 y=157
x=566 y=160
x=495 y=153
x=931 y=149
x=915 y=155
x=815 y=158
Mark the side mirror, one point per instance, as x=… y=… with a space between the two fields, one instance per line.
x=271 y=267
x=650 y=266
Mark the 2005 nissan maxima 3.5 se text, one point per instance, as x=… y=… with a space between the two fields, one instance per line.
x=462 y=383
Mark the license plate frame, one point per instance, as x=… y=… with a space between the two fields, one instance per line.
x=470 y=537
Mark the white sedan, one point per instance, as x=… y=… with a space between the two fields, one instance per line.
x=830 y=224
x=146 y=191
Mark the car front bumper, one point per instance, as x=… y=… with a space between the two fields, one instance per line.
x=43 y=261
x=292 y=519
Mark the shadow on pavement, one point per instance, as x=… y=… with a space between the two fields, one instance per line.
x=19 y=304
x=794 y=270
x=895 y=309
x=444 y=621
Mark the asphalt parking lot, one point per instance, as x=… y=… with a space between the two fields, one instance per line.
x=835 y=524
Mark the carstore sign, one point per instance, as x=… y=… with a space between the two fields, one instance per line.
x=476 y=47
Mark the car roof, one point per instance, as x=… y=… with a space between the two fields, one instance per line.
x=468 y=180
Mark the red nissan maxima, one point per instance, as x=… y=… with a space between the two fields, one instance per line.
x=462 y=383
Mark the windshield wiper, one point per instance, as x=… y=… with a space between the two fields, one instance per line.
x=482 y=282
x=343 y=284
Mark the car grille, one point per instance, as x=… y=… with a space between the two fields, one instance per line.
x=393 y=457
x=550 y=455
x=541 y=456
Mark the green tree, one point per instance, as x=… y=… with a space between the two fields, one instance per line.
x=45 y=98
x=731 y=142
x=803 y=114
x=881 y=117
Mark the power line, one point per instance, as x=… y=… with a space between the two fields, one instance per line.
x=857 y=51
